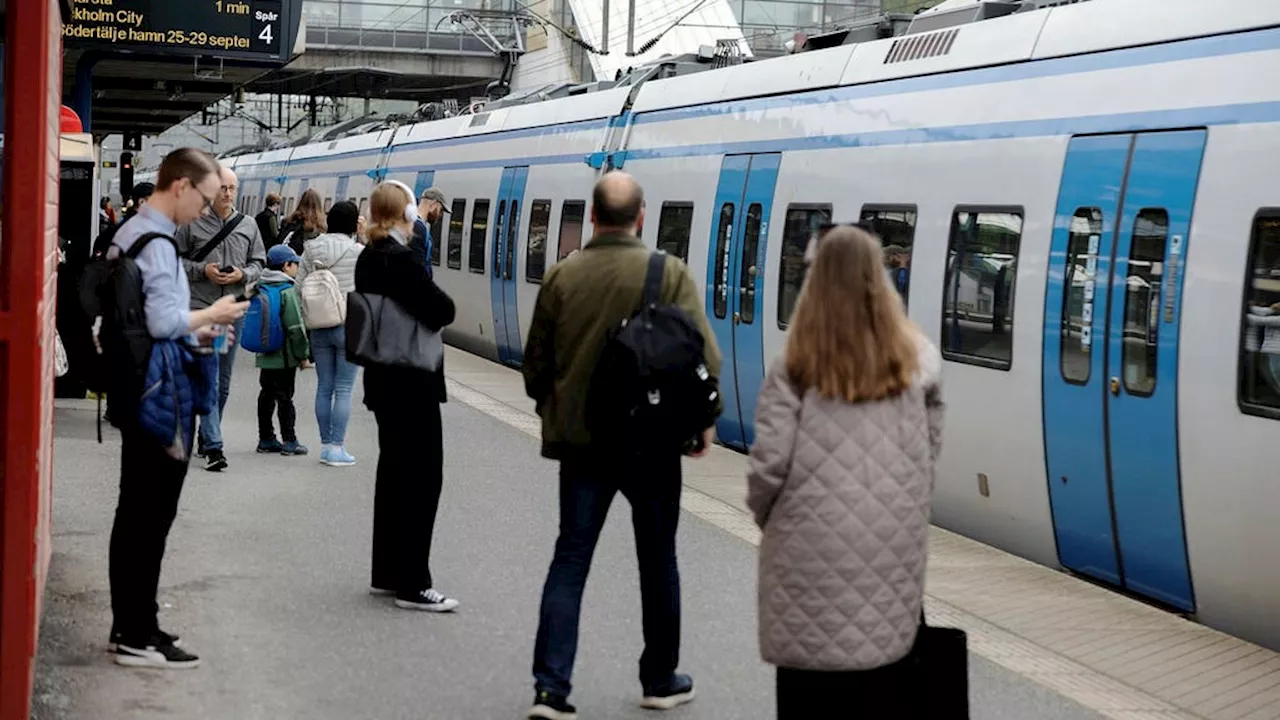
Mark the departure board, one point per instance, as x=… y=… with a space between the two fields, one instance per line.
x=231 y=28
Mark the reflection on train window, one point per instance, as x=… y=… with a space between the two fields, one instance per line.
x=896 y=227
x=513 y=237
x=747 y=263
x=456 y=228
x=1260 y=347
x=674 y=227
x=1142 y=301
x=724 y=231
x=535 y=260
x=572 y=214
x=437 y=233
x=801 y=223
x=499 y=222
x=977 y=295
x=479 y=231
x=1078 y=286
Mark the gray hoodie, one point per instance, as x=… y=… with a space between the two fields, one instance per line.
x=335 y=252
x=242 y=249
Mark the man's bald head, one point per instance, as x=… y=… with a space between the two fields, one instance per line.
x=226 y=202
x=617 y=202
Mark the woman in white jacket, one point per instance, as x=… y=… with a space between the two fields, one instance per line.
x=337 y=252
x=848 y=428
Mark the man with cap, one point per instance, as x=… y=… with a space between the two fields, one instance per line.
x=430 y=210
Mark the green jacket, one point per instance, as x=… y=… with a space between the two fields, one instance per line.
x=581 y=299
x=296 y=346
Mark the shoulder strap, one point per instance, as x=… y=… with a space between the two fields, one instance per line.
x=213 y=244
x=653 y=278
x=142 y=241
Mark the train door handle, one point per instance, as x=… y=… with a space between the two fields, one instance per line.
x=737 y=318
x=1115 y=386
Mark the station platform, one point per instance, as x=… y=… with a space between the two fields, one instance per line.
x=267 y=571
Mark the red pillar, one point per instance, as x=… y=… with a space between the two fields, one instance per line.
x=28 y=265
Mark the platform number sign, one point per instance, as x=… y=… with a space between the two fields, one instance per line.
x=266 y=29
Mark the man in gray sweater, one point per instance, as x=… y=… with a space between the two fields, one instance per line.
x=214 y=270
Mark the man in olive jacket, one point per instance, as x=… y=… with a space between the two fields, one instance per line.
x=581 y=299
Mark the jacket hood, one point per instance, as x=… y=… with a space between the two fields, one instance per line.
x=274 y=276
x=326 y=250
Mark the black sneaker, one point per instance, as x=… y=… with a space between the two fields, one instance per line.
x=215 y=461
x=548 y=706
x=161 y=636
x=675 y=692
x=154 y=653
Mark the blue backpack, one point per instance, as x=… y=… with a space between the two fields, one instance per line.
x=264 y=323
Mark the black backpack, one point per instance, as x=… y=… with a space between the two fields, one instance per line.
x=112 y=289
x=651 y=390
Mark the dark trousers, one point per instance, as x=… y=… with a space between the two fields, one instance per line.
x=406 y=497
x=277 y=394
x=587 y=487
x=150 y=484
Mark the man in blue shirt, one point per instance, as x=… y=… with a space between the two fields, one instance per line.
x=430 y=210
x=150 y=479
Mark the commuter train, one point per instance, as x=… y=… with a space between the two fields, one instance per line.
x=1080 y=205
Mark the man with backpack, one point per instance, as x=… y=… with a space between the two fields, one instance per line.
x=277 y=335
x=150 y=336
x=624 y=369
x=223 y=254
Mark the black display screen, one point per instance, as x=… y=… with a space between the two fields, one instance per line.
x=230 y=28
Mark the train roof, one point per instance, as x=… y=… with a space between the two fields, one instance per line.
x=957 y=35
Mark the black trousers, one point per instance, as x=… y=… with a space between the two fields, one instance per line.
x=277 y=394
x=150 y=485
x=406 y=496
x=587 y=487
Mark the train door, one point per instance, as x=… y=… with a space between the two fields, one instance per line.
x=502 y=272
x=735 y=284
x=1111 y=359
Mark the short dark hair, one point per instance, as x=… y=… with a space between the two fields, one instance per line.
x=142 y=191
x=344 y=217
x=272 y=199
x=616 y=211
x=191 y=163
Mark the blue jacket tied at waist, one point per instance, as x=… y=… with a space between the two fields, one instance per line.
x=179 y=385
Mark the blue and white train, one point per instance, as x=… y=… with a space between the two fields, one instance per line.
x=1081 y=205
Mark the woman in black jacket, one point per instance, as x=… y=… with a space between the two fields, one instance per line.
x=406 y=404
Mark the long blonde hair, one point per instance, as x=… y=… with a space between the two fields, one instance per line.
x=850 y=338
x=386 y=209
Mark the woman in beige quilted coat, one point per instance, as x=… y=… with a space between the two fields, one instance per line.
x=848 y=427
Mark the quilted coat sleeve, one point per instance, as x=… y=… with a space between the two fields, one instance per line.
x=777 y=415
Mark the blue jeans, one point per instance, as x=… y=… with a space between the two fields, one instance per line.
x=336 y=377
x=211 y=424
x=587 y=487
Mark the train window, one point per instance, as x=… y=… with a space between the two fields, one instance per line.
x=978 y=293
x=328 y=203
x=1141 y=334
x=747 y=263
x=535 y=258
x=499 y=222
x=674 y=226
x=572 y=214
x=364 y=206
x=801 y=223
x=896 y=227
x=1077 y=295
x=479 y=231
x=1259 y=392
x=288 y=207
x=724 y=232
x=437 y=236
x=456 y=228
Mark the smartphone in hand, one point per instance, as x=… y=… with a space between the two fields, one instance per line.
x=226 y=269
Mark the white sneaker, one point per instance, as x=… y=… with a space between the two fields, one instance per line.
x=428 y=600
